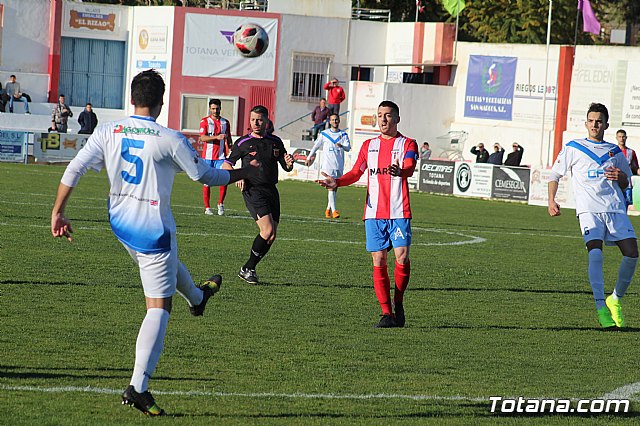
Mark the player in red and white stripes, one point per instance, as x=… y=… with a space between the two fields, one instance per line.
x=389 y=160
x=216 y=135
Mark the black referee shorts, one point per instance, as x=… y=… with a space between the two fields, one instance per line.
x=261 y=201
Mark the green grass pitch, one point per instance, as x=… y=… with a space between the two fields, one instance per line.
x=498 y=305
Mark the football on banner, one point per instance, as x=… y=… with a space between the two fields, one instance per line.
x=251 y=40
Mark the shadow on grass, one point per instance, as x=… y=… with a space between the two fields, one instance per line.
x=516 y=327
x=32 y=282
x=22 y=372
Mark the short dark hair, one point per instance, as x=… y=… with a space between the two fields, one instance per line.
x=89 y=104
x=624 y=132
x=61 y=95
x=596 y=107
x=332 y=114
x=262 y=110
x=215 y=102
x=12 y=75
x=389 y=104
x=147 y=89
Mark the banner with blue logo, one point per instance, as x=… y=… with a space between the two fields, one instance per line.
x=13 y=146
x=490 y=83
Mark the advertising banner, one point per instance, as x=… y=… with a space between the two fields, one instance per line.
x=436 y=176
x=472 y=179
x=209 y=50
x=538 y=189
x=13 y=146
x=490 y=83
x=510 y=183
x=631 y=105
x=300 y=170
x=57 y=147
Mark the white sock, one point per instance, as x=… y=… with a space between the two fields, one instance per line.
x=149 y=347
x=187 y=288
x=596 y=277
x=332 y=200
x=625 y=274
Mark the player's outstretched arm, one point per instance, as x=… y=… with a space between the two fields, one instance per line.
x=60 y=225
x=554 y=208
x=328 y=182
x=245 y=172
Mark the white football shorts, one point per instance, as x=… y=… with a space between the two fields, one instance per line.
x=334 y=173
x=608 y=227
x=158 y=271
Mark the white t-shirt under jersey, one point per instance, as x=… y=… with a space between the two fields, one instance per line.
x=141 y=158
x=587 y=161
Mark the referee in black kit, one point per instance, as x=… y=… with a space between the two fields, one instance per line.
x=259 y=191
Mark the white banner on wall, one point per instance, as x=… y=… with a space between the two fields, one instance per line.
x=529 y=91
x=13 y=146
x=591 y=82
x=151 y=39
x=57 y=147
x=539 y=189
x=472 y=179
x=631 y=105
x=209 y=49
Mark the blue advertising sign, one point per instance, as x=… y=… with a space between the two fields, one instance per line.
x=490 y=83
x=13 y=146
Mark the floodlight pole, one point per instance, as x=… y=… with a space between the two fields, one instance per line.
x=544 y=93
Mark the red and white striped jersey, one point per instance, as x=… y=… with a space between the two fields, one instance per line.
x=215 y=150
x=387 y=196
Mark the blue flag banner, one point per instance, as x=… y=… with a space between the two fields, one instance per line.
x=490 y=84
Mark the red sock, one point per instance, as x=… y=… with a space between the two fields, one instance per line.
x=401 y=275
x=223 y=193
x=382 y=286
x=206 y=194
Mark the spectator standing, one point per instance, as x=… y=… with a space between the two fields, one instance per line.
x=60 y=116
x=425 y=151
x=88 y=120
x=515 y=157
x=319 y=117
x=335 y=95
x=482 y=155
x=496 y=156
x=15 y=94
x=630 y=154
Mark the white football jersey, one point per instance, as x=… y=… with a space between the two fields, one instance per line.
x=332 y=155
x=587 y=161
x=141 y=158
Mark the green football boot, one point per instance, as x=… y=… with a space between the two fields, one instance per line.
x=604 y=316
x=616 y=310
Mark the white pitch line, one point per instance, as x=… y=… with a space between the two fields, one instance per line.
x=623 y=392
x=90 y=389
x=472 y=240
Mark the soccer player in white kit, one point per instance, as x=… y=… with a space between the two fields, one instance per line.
x=334 y=143
x=599 y=174
x=141 y=158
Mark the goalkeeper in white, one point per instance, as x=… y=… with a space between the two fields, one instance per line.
x=599 y=174
x=334 y=143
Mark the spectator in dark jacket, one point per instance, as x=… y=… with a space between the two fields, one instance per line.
x=514 y=158
x=319 y=117
x=88 y=120
x=496 y=156
x=482 y=155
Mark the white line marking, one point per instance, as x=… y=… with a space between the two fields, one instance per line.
x=90 y=389
x=623 y=392
x=472 y=240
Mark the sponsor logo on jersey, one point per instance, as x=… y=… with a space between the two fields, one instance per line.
x=379 y=171
x=127 y=130
x=276 y=152
x=595 y=173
